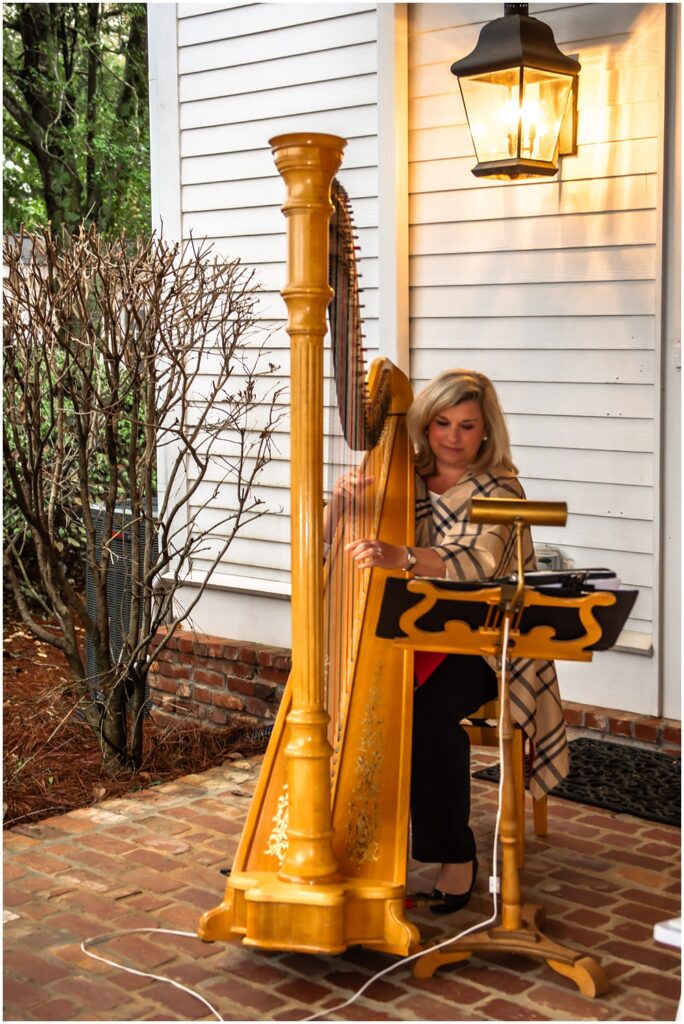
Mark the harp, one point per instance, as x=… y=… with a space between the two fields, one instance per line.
x=321 y=864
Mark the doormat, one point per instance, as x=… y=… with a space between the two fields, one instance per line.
x=619 y=778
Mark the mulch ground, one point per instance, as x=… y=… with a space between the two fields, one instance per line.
x=51 y=759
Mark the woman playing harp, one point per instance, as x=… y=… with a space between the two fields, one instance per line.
x=462 y=451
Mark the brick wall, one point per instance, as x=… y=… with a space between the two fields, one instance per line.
x=216 y=680
x=662 y=734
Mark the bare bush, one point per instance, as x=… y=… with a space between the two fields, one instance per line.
x=123 y=364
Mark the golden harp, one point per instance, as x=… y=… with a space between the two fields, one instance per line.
x=321 y=864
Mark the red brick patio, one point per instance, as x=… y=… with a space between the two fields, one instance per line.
x=152 y=860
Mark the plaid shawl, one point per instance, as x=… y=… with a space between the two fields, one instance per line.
x=478 y=551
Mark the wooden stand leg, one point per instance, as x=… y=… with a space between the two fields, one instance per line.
x=539 y=810
x=519 y=931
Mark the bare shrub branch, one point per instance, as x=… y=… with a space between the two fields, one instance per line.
x=125 y=362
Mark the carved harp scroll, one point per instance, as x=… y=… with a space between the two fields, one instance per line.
x=321 y=864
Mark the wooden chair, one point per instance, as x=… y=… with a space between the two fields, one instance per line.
x=482 y=730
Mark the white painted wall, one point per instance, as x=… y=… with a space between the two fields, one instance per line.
x=552 y=288
x=243 y=73
x=671 y=384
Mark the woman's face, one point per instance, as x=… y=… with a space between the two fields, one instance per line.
x=455 y=435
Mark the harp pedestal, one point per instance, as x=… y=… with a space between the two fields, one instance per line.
x=270 y=913
x=520 y=929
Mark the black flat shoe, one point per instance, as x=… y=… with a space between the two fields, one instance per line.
x=449 y=902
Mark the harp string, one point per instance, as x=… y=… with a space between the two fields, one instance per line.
x=354 y=427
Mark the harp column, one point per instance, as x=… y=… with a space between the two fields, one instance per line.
x=308 y=164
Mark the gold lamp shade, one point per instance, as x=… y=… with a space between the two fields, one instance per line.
x=519 y=93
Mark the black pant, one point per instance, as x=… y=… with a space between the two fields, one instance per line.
x=440 y=767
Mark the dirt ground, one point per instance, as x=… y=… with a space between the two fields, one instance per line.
x=51 y=759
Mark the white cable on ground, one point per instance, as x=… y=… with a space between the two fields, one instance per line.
x=145 y=974
x=97 y=940
x=494 y=876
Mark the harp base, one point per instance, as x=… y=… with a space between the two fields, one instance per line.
x=264 y=911
x=527 y=940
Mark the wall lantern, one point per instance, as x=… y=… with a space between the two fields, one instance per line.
x=520 y=97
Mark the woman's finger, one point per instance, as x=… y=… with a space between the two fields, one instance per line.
x=352 y=483
x=367 y=553
x=362 y=549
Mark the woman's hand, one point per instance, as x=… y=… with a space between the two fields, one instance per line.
x=348 y=488
x=377 y=554
x=351 y=485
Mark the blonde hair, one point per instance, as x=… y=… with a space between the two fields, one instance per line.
x=446 y=390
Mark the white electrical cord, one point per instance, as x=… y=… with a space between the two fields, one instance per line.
x=145 y=974
x=494 y=883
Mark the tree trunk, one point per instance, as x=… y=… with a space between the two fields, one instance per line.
x=113 y=732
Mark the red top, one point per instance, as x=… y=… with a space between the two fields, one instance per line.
x=425 y=663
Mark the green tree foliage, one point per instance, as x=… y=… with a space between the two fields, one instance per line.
x=76 y=124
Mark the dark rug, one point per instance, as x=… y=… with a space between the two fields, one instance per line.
x=619 y=778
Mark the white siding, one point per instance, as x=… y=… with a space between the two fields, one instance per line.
x=248 y=72
x=551 y=288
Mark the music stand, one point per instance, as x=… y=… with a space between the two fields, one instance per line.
x=497 y=609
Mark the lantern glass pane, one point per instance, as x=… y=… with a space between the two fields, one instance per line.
x=545 y=96
x=492 y=102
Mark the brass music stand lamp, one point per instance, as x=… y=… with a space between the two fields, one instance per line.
x=520 y=927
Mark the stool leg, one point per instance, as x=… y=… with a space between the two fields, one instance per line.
x=539 y=810
x=539 y=807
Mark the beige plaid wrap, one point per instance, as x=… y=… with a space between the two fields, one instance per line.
x=479 y=551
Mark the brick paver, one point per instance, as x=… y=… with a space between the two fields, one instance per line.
x=151 y=860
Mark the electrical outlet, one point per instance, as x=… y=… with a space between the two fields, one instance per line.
x=548 y=557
